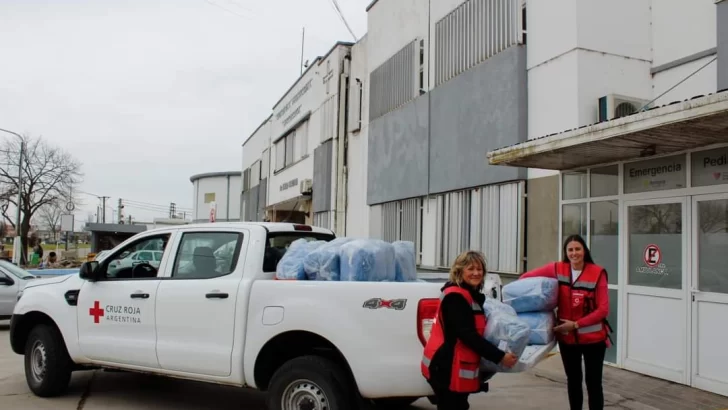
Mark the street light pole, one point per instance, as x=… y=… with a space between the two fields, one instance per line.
x=17 y=244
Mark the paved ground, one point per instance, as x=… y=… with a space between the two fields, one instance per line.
x=542 y=389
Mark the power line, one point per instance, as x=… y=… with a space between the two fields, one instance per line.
x=228 y=10
x=335 y=3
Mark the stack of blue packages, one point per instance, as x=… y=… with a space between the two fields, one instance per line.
x=290 y=267
x=532 y=294
x=507 y=332
x=405 y=262
x=534 y=299
x=492 y=306
x=324 y=263
x=367 y=260
x=541 y=325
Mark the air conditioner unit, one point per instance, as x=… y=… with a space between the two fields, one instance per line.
x=306 y=187
x=613 y=106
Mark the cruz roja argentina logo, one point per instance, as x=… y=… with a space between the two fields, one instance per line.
x=116 y=313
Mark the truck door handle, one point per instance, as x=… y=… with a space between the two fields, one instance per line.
x=216 y=295
x=139 y=295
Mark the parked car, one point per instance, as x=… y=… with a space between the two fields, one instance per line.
x=12 y=281
x=211 y=311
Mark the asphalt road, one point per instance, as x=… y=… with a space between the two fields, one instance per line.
x=97 y=390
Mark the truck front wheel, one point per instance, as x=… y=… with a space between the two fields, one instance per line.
x=47 y=364
x=310 y=383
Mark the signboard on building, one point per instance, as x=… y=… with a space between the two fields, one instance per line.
x=709 y=167
x=655 y=174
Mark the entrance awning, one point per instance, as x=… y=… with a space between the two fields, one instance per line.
x=679 y=126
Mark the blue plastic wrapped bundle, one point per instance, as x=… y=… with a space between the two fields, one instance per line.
x=492 y=306
x=405 y=263
x=532 y=294
x=324 y=263
x=367 y=260
x=541 y=325
x=290 y=267
x=508 y=333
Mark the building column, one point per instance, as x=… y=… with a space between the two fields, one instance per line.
x=722 y=40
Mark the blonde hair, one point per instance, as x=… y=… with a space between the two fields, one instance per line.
x=464 y=260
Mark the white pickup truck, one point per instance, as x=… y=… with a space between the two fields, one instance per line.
x=211 y=311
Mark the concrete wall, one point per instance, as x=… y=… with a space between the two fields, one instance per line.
x=357 y=210
x=322 y=177
x=722 y=29
x=397 y=153
x=482 y=109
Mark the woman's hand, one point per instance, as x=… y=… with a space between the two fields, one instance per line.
x=509 y=360
x=566 y=327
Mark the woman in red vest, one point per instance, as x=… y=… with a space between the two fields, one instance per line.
x=582 y=311
x=451 y=361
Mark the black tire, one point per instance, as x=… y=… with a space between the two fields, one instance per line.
x=313 y=378
x=394 y=403
x=47 y=364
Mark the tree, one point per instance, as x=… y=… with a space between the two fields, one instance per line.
x=50 y=216
x=48 y=176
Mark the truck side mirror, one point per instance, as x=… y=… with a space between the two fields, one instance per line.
x=88 y=270
x=5 y=281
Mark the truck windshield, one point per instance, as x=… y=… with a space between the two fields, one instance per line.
x=278 y=242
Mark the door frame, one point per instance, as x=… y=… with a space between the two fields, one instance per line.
x=627 y=289
x=694 y=292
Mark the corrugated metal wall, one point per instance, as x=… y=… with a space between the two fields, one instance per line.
x=474 y=32
x=393 y=83
x=262 y=198
x=328 y=118
x=322 y=157
x=488 y=219
x=402 y=221
x=322 y=219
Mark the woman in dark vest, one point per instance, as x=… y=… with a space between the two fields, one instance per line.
x=451 y=362
x=582 y=311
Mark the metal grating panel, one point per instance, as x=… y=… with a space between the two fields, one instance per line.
x=392 y=84
x=487 y=219
x=322 y=219
x=390 y=223
x=328 y=118
x=474 y=32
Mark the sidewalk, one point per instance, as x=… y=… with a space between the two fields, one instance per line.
x=627 y=390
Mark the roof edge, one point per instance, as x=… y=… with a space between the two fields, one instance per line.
x=371 y=4
x=194 y=178
x=317 y=60
x=257 y=129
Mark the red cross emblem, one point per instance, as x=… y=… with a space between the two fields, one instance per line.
x=96 y=311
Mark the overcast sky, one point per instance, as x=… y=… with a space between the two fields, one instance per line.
x=146 y=93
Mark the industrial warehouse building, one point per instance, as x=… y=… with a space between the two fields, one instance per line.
x=506 y=125
x=216 y=196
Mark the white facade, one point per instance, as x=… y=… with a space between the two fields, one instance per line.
x=217 y=192
x=577 y=59
x=281 y=151
x=656 y=224
x=357 y=210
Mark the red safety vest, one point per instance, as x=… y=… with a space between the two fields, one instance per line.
x=465 y=376
x=578 y=300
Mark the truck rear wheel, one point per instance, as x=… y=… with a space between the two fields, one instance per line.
x=309 y=383
x=47 y=364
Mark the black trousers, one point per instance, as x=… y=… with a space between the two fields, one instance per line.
x=593 y=365
x=447 y=400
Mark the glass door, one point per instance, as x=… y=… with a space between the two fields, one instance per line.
x=709 y=293
x=655 y=256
